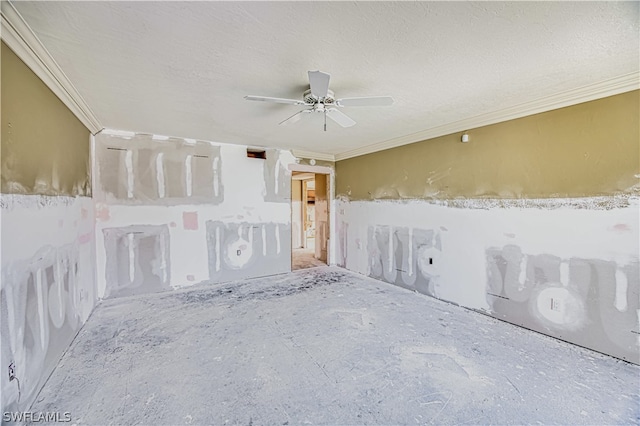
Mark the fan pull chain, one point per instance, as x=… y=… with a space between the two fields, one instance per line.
x=325 y=120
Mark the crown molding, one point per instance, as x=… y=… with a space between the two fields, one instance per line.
x=17 y=34
x=603 y=89
x=315 y=155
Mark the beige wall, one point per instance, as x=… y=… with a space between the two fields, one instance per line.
x=45 y=148
x=296 y=190
x=322 y=216
x=583 y=150
x=297 y=227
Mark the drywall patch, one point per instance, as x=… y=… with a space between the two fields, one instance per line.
x=407 y=257
x=343 y=238
x=277 y=178
x=169 y=171
x=380 y=248
x=112 y=171
x=137 y=260
x=30 y=319
x=240 y=250
x=574 y=248
x=178 y=184
x=47 y=286
x=591 y=302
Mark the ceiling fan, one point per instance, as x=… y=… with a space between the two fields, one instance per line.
x=321 y=100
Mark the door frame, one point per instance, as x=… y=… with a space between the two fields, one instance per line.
x=323 y=170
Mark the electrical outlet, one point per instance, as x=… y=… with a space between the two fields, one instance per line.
x=12 y=371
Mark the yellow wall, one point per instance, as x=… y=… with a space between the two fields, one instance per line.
x=583 y=150
x=45 y=148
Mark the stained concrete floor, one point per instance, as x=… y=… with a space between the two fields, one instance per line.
x=304 y=258
x=325 y=346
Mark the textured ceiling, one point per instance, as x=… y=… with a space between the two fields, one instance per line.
x=182 y=68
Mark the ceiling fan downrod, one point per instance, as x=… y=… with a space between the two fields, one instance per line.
x=325 y=120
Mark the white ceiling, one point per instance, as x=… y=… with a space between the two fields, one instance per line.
x=183 y=68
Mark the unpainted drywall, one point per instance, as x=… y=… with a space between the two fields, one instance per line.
x=228 y=218
x=583 y=150
x=45 y=148
x=150 y=169
x=137 y=259
x=570 y=271
x=48 y=287
x=283 y=349
x=591 y=302
x=238 y=250
x=48 y=249
x=277 y=178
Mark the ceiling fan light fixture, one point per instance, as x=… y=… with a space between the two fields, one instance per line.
x=318 y=98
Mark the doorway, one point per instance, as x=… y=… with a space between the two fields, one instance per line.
x=309 y=219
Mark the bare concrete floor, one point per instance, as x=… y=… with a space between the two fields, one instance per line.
x=304 y=258
x=325 y=346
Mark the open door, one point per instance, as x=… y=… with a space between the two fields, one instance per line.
x=309 y=220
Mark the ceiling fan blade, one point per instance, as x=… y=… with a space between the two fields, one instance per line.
x=366 y=101
x=276 y=100
x=340 y=118
x=296 y=117
x=319 y=82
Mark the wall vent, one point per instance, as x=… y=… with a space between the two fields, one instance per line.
x=256 y=153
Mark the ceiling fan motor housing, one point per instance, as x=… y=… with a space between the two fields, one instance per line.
x=319 y=99
x=308 y=98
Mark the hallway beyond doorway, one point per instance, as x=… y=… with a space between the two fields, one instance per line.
x=310 y=196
